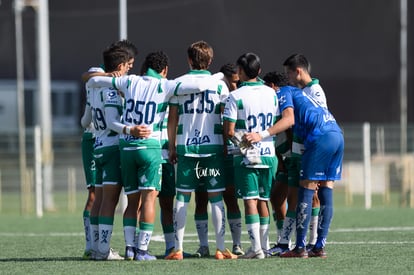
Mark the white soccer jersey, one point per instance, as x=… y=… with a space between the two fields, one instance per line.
x=98 y=99
x=146 y=100
x=90 y=129
x=314 y=90
x=200 y=129
x=254 y=108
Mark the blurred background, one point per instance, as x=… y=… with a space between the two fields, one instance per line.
x=360 y=50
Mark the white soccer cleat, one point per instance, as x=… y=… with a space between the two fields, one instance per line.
x=111 y=255
x=250 y=254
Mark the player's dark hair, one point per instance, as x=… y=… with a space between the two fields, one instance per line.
x=228 y=69
x=250 y=64
x=201 y=54
x=278 y=79
x=113 y=57
x=156 y=60
x=297 y=61
x=127 y=46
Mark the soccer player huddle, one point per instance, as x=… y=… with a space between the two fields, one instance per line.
x=224 y=137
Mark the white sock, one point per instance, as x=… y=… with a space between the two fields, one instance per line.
x=264 y=236
x=202 y=231
x=219 y=221
x=253 y=230
x=95 y=237
x=105 y=234
x=289 y=226
x=87 y=229
x=180 y=216
x=129 y=236
x=236 y=229
x=144 y=239
x=313 y=230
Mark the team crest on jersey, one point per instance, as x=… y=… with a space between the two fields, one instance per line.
x=112 y=94
x=197 y=139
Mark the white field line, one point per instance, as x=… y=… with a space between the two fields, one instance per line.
x=158 y=237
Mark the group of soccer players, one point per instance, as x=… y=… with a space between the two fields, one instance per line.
x=222 y=136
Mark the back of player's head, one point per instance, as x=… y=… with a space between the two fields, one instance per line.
x=278 y=79
x=250 y=64
x=297 y=61
x=113 y=57
x=228 y=69
x=127 y=46
x=157 y=61
x=200 y=54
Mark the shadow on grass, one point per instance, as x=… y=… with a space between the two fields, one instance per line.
x=44 y=259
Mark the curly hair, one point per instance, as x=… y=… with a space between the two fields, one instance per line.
x=156 y=60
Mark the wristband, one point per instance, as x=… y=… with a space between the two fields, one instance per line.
x=264 y=134
x=128 y=130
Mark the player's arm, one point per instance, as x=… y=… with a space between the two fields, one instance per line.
x=86 y=117
x=228 y=132
x=287 y=121
x=112 y=119
x=172 y=133
x=88 y=75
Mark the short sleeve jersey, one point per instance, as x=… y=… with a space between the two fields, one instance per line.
x=200 y=129
x=146 y=101
x=311 y=118
x=254 y=108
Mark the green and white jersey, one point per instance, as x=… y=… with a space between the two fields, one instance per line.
x=90 y=129
x=164 y=138
x=254 y=108
x=200 y=129
x=146 y=101
x=99 y=99
x=314 y=90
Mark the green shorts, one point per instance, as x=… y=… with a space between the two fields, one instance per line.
x=167 y=180
x=254 y=183
x=141 y=168
x=201 y=174
x=108 y=165
x=88 y=161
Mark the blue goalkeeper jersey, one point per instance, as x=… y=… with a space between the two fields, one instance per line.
x=311 y=118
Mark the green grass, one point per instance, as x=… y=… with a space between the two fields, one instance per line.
x=375 y=241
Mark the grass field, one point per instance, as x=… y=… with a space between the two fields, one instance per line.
x=375 y=241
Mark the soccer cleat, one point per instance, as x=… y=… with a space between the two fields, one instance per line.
x=129 y=253
x=297 y=252
x=171 y=249
x=187 y=255
x=87 y=255
x=203 y=251
x=317 y=253
x=224 y=255
x=250 y=254
x=143 y=255
x=175 y=255
x=277 y=249
x=309 y=247
x=237 y=250
x=168 y=251
x=111 y=255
